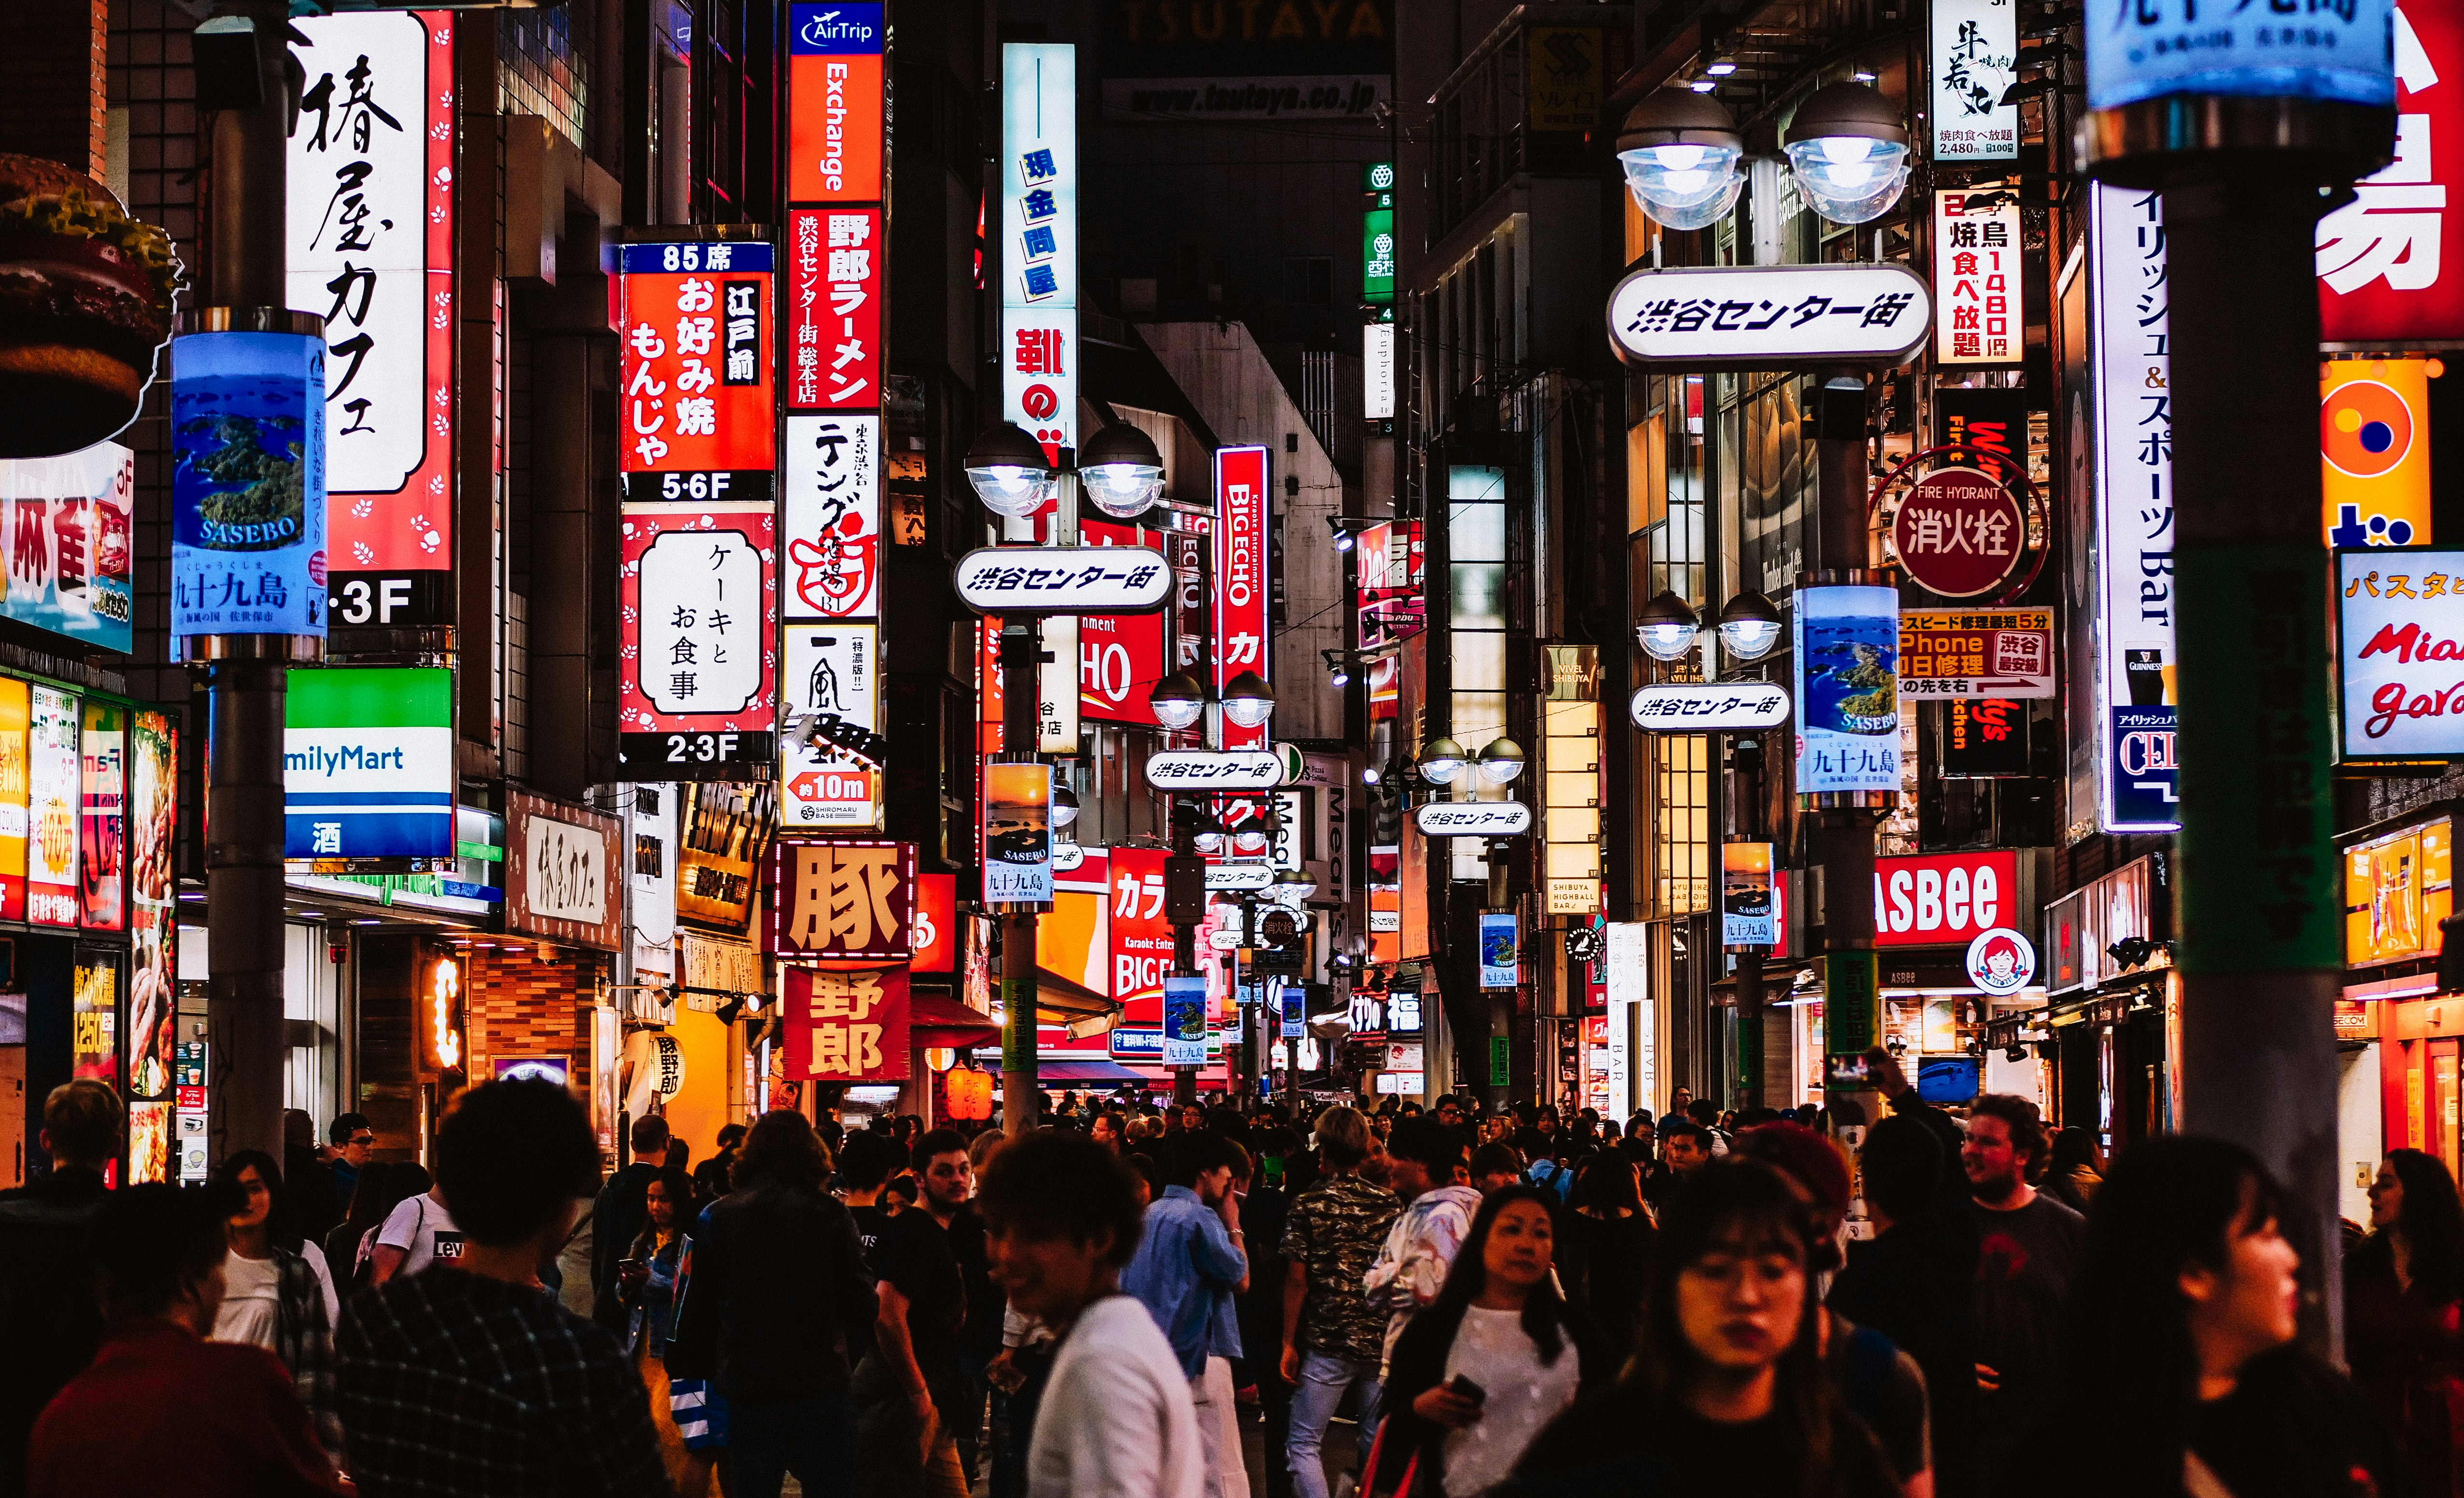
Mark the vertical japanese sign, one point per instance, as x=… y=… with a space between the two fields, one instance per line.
x=846 y=1026
x=834 y=93
x=1500 y=957
x=53 y=786
x=103 y=825
x=836 y=266
x=1039 y=245
x=695 y=663
x=248 y=484
x=698 y=421
x=1977 y=316
x=833 y=686
x=2134 y=482
x=16 y=708
x=1184 y=1021
x=65 y=528
x=832 y=483
x=1748 y=917
x=1848 y=688
x=1240 y=579
x=370 y=230
x=153 y=821
x=1141 y=935
x=2391 y=262
x=1975 y=55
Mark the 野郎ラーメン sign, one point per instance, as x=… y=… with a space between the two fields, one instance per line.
x=1977 y=652
x=2400 y=653
x=1975 y=55
x=367 y=763
x=1063 y=579
x=694 y=679
x=560 y=871
x=1727 y=707
x=694 y=366
x=1769 y=316
x=1847 y=688
x=1473 y=819
x=1959 y=532
x=842 y=901
x=369 y=227
x=248 y=484
x=836 y=265
x=846 y=1027
x=1977 y=278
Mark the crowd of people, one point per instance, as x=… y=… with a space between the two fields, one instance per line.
x=1144 y=1302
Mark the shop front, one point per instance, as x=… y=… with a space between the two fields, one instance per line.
x=2104 y=1043
x=2399 y=1038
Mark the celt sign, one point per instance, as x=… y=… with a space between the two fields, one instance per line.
x=1769 y=316
x=1063 y=579
x=1473 y=819
x=1741 y=707
x=1224 y=770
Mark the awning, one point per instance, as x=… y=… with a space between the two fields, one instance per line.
x=1058 y=1000
x=1078 y=1072
x=933 y=1021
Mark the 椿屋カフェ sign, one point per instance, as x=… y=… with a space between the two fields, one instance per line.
x=1769 y=316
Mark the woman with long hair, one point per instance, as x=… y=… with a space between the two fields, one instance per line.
x=2077 y=1168
x=2180 y=1373
x=1491 y=1361
x=647 y=1284
x=1725 y=1392
x=276 y=1294
x=1608 y=1237
x=2403 y=1287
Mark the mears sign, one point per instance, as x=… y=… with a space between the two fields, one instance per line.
x=1224 y=770
x=1735 y=707
x=1769 y=316
x=1063 y=579
x=1473 y=819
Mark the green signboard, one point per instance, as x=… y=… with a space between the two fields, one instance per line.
x=1377 y=233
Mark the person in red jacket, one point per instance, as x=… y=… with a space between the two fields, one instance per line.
x=161 y=1409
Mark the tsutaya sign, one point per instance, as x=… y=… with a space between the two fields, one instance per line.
x=1473 y=819
x=1685 y=707
x=1063 y=579
x=1228 y=770
x=1769 y=316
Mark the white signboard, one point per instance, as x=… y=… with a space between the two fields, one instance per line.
x=1633 y=1071
x=1733 y=707
x=1222 y=941
x=1039 y=249
x=1975 y=55
x=1240 y=877
x=1473 y=819
x=831 y=530
x=568 y=871
x=688 y=576
x=2001 y=962
x=1769 y=316
x=1378 y=370
x=2400 y=618
x=828 y=671
x=1067 y=857
x=653 y=876
x=1977 y=279
x=1063 y=579
x=2127 y=298
x=1222 y=770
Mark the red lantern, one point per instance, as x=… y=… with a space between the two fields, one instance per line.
x=970 y=1095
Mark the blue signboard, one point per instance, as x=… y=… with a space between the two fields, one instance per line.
x=1847 y=689
x=1184 y=1021
x=2146 y=783
x=1288 y=998
x=1501 y=961
x=2334 y=49
x=367 y=763
x=835 y=31
x=248 y=484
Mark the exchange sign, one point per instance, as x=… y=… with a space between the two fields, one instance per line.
x=1769 y=316
x=1473 y=819
x=1960 y=532
x=1738 y=707
x=1977 y=652
x=1063 y=579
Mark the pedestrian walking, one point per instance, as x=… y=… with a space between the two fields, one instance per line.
x=381 y=1187
x=462 y=1379
x=1495 y=1166
x=1190 y=1263
x=865 y=1167
x=2075 y=1168
x=351 y=1143
x=780 y=1289
x=276 y=1294
x=1427 y=1171
x=909 y=1389
x=2027 y=1247
x=47 y=1330
x=1607 y=1244
x=418 y=1232
x=2180 y=1377
x=710 y=1178
x=1491 y=1361
x=648 y=1278
x=2402 y=1289
x=1266 y=1212
x=1333 y=1338
x=1115 y=1419
x=619 y=1214
x=1725 y=1392
x=161 y=1409
x=312 y=1202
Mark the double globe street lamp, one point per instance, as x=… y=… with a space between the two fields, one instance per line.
x=1684 y=158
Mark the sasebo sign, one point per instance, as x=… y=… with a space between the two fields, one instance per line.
x=1735 y=707
x=1063 y=579
x=1769 y=316
x=1473 y=819
x=1223 y=770
x=1239 y=876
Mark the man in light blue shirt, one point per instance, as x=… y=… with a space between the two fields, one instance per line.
x=1191 y=1262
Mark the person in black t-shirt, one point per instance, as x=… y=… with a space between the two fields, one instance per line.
x=910 y=1389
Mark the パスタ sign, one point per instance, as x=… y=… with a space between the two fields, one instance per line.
x=1769 y=316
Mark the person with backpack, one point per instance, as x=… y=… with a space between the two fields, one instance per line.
x=381 y=1185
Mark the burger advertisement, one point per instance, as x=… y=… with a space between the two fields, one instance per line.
x=86 y=298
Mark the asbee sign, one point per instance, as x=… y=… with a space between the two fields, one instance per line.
x=1223 y=770
x=1473 y=819
x=1769 y=316
x=1715 y=707
x=367 y=763
x=1943 y=899
x=1063 y=579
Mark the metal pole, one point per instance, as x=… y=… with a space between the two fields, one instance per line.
x=1851 y=1012
x=1745 y=803
x=1021 y=654
x=243 y=959
x=1501 y=1002
x=2260 y=951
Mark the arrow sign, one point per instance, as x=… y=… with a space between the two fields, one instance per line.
x=1223 y=770
x=1473 y=819
x=1239 y=876
x=1063 y=579
x=1733 y=707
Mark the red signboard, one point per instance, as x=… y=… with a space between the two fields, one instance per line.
x=935 y=925
x=1960 y=532
x=1120 y=656
x=696 y=361
x=846 y=1025
x=1240 y=579
x=835 y=263
x=696 y=653
x=1141 y=935
x=2392 y=262
x=1943 y=899
x=834 y=136
x=841 y=900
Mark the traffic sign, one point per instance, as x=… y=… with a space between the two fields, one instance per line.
x=1063 y=579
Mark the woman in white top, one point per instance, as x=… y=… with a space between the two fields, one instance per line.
x=1495 y=1357
x=1061 y=1218
x=278 y=1294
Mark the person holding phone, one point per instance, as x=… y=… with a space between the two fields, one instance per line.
x=1491 y=1361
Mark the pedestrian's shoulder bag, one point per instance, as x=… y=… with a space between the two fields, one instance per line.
x=1402 y=1487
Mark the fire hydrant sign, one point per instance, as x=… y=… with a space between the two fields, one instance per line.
x=2400 y=653
x=1960 y=532
x=846 y=1026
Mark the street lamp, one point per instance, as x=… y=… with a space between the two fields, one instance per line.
x=1682 y=158
x=1440 y=761
x=1121 y=471
x=1293 y=887
x=1064 y=805
x=1501 y=761
x=1009 y=471
x=1849 y=151
x=1178 y=700
x=1249 y=839
x=1667 y=626
x=1748 y=626
x=1248 y=700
